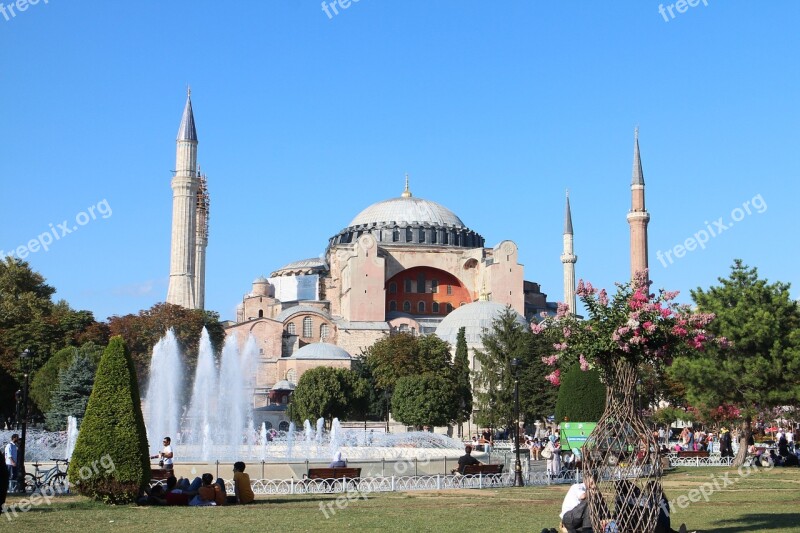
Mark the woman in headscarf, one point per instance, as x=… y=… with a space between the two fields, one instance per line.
x=554 y=459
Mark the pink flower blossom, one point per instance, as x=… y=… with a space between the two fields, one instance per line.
x=567 y=332
x=554 y=377
x=666 y=312
x=584 y=363
x=669 y=295
x=560 y=346
x=562 y=310
x=537 y=328
x=550 y=360
x=649 y=327
x=679 y=331
x=603 y=297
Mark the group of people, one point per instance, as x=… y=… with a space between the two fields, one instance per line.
x=203 y=491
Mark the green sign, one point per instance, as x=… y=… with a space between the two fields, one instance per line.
x=574 y=434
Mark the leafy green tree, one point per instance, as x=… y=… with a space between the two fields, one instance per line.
x=328 y=393
x=494 y=382
x=761 y=367
x=581 y=396
x=374 y=405
x=397 y=356
x=30 y=320
x=425 y=400
x=461 y=376
x=72 y=394
x=110 y=462
x=46 y=379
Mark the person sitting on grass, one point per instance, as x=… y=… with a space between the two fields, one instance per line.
x=176 y=496
x=208 y=493
x=242 y=490
x=465 y=460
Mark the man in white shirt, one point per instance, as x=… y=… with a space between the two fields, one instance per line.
x=166 y=455
x=11 y=459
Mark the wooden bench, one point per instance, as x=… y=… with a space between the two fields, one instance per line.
x=692 y=454
x=334 y=473
x=474 y=470
x=157 y=475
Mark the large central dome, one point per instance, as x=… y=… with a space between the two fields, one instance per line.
x=408 y=220
x=407 y=210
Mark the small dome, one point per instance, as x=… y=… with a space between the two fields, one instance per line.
x=313 y=265
x=320 y=350
x=261 y=287
x=476 y=318
x=283 y=385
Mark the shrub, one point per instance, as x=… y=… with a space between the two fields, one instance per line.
x=581 y=396
x=110 y=462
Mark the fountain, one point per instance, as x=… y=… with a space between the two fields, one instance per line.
x=218 y=425
x=72 y=436
x=164 y=395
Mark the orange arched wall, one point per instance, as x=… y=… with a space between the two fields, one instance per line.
x=397 y=285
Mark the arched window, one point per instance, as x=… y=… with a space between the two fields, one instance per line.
x=393 y=288
x=396 y=235
x=392 y=306
x=260 y=313
x=421 y=234
x=407 y=306
x=308 y=327
x=291 y=329
x=421 y=307
x=323 y=332
x=283 y=426
x=268 y=425
x=409 y=234
x=291 y=376
x=449 y=308
x=435 y=307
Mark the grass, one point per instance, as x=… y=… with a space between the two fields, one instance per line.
x=761 y=501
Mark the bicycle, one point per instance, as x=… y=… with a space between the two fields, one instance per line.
x=55 y=478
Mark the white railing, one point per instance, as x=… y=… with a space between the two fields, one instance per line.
x=710 y=460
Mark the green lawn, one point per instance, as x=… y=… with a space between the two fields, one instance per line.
x=762 y=501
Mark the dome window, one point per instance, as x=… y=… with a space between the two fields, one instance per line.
x=435 y=308
x=291 y=329
x=407 y=306
x=308 y=327
x=421 y=307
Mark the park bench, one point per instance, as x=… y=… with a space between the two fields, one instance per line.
x=334 y=473
x=692 y=454
x=482 y=469
x=157 y=475
x=332 y=477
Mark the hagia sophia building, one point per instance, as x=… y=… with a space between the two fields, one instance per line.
x=405 y=264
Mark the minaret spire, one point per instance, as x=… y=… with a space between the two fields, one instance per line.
x=568 y=258
x=638 y=217
x=185 y=185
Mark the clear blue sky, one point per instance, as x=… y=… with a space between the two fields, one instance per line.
x=493 y=108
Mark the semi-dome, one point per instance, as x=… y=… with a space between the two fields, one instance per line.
x=408 y=220
x=320 y=350
x=476 y=319
x=283 y=385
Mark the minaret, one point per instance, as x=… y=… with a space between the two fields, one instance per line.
x=201 y=240
x=638 y=217
x=569 y=259
x=184 y=211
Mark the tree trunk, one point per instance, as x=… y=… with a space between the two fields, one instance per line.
x=747 y=431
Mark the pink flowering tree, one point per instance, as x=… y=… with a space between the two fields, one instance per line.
x=633 y=325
